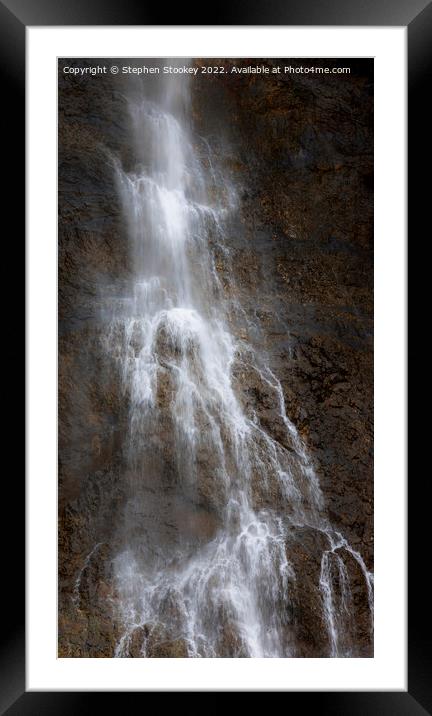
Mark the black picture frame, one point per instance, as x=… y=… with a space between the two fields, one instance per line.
x=15 y=16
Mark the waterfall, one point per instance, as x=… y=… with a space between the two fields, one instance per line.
x=205 y=559
x=76 y=596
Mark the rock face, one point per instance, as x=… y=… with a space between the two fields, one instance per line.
x=299 y=149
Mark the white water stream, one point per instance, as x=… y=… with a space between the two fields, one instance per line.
x=171 y=333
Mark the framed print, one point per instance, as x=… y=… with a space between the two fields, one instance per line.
x=216 y=326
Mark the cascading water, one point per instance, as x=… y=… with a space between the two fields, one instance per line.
x=227 y=591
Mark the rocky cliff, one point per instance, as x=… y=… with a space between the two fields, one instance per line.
x=299 y=149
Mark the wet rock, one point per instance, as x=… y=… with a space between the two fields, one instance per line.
x=304 y=552
x=176 y=649
x=300 y=263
